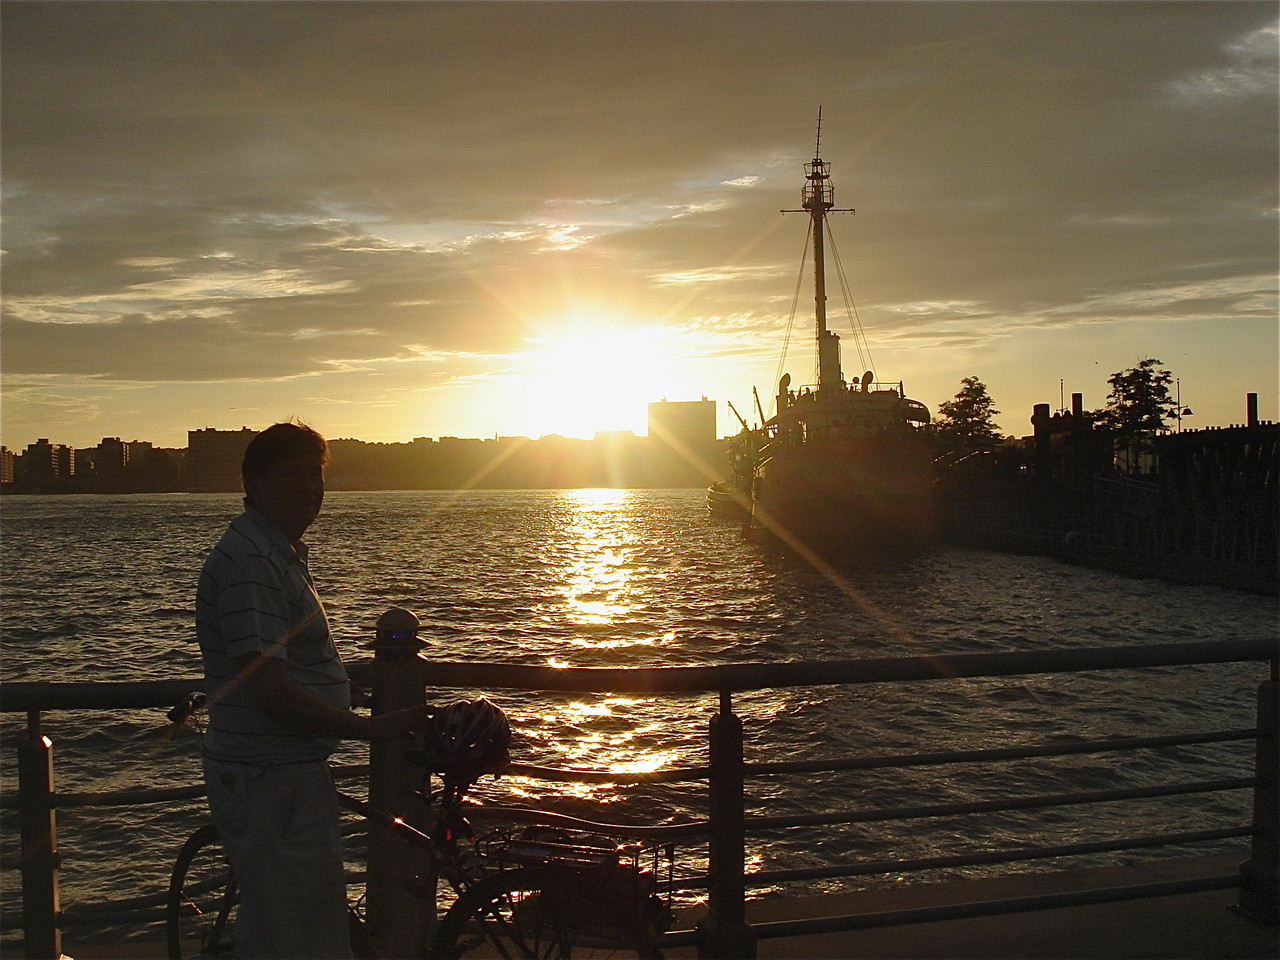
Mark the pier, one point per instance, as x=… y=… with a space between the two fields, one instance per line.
x=1204 y=926
x=1140 y=900
x=1203 y=508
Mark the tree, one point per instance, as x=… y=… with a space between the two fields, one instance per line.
x=1137 y=407
x=1139 y=401
x=965 y=423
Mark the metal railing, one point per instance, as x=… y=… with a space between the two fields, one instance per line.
x=726 y=932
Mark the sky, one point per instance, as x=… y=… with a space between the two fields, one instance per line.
x=426 y=219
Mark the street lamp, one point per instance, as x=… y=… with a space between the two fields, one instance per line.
x=1179 y=410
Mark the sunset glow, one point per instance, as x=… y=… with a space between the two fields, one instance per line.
x=499 y=219
x=580 y=383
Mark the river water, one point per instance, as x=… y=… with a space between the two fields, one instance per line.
x=101 y=587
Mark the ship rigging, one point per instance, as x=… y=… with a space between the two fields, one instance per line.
x=840 y=465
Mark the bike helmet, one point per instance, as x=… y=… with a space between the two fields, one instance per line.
x=467 y=739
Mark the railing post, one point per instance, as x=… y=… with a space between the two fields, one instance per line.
x=1260 y=874
x=724 y=932
x=41 y=911
x=401 y=901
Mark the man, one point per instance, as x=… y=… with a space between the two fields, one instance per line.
x=284 y=704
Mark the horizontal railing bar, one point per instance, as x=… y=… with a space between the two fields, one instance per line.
x=764 y=878
x=869 y=867
x=671 y=775
x=683 y=774
x=150 y=915
x=95 y=914
x=674 y=831
x=27 y=696
x=960 y=911
x=674 y=939
x=999 y=753
x=120 y=798
x=123 y=905
x=688 y=774
x=987 y=806
x=757 y=676
x=123 y=798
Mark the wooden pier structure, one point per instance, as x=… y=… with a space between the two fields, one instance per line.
x=1198 y=506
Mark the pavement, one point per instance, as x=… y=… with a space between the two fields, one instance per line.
x=1198 y=926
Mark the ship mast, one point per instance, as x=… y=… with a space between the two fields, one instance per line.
x=818 y=199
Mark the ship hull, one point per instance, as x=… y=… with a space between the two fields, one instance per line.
x=726 y=500
x=848 y=497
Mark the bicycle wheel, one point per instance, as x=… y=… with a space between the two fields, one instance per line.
x=508 y=914
x=201 y=907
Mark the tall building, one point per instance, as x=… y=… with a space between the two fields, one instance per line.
x=45 y=462
x=213 y=459
x=686 y=422
x=111 y=457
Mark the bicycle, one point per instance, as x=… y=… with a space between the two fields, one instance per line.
x=562 y=887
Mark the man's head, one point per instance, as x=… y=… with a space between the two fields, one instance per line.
x=283 y=475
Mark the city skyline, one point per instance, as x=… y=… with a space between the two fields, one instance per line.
x=437 y=219
x=1174 y=425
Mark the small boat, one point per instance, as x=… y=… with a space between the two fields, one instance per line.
x=841 y=466
x=724 y=499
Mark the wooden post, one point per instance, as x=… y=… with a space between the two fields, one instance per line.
x=1042 y=433
x=41 y=910
x=725 y=933
x=401 y=898
x=1260 y=874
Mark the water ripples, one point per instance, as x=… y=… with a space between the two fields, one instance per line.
x=101 y=588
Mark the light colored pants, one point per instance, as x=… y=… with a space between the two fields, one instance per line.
x=280 y=828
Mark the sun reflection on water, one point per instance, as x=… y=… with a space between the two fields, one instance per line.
x=595 y=556
x=598 y=606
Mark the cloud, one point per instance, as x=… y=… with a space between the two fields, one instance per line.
x=280 y=192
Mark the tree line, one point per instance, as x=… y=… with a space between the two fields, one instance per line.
x=1138 y=405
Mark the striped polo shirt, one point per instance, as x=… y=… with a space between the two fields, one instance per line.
x=256 y=596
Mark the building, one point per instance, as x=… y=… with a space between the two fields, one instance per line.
x=45 y=463
x=111 y=457
x=687 y=422
x=213 y=459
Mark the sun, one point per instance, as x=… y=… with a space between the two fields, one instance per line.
x=590 y=380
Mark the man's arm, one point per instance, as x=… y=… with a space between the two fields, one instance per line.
x=271 y=688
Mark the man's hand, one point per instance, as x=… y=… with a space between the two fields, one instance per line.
x=271 y=688
x=400 y=723
x=360 y=697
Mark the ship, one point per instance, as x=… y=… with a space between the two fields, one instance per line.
x=841 y=467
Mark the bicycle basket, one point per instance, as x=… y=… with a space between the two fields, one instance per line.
x=589 y=884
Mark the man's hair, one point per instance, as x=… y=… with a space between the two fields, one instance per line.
x=281 y=441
